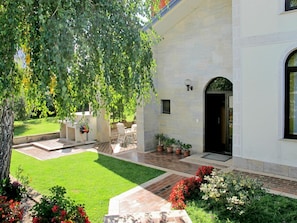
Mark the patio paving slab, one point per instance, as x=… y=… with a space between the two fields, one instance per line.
x=60 y=143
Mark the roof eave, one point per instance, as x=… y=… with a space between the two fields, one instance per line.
x=172 y=14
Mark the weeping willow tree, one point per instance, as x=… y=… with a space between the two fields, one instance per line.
x=76 y=52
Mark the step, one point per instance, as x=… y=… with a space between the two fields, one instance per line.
x=174 y=216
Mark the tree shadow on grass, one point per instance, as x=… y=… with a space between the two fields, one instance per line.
x=20 y=129
x=133 y=172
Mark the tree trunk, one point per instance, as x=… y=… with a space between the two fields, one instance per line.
x=6 y=138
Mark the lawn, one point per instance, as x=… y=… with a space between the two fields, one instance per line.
x=36 y=126
x=89 y=178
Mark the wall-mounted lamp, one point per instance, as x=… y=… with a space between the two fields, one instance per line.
x=188 y=84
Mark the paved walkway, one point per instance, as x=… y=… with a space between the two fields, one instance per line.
x=189 y=165
x=150 y=200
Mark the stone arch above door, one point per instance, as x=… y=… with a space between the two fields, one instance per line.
x=219 y=84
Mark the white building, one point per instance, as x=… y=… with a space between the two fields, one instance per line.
x=241 y=59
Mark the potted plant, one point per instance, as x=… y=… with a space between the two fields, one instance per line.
x=186 y=149
x=160 y=138
x=178 y=147
x=169 y=144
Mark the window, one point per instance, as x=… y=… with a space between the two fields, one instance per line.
x=290 y=5
x=166 y=106
x=291 y=96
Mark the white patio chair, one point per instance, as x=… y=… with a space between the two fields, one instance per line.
x=124 y=135
x=134 y=131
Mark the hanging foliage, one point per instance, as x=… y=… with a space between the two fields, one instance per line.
x=73 y=53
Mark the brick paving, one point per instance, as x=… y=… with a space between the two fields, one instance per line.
x=147 y=203
x=275 y=184
x=163 y=187
x=169 y=161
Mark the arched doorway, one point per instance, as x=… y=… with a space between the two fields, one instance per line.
x=219 y=116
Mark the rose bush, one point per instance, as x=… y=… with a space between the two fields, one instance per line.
x=10 y=210
x=57 y=208
x=11 y=193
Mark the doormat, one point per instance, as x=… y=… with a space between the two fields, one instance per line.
x=217 y=157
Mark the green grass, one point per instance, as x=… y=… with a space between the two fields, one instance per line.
x=88 y=177
x=36 y=126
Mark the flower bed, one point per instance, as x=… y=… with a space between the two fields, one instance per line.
x=16 y=207
x=231 y=194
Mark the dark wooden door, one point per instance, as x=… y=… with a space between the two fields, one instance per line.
x=215 y=123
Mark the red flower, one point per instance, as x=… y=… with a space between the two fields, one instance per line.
x=63 y=213
x=10 y=210
x=188 y=188
x=177 y=196
x=35 y=220
x=55 y=208
x=204 y=171
x=81 y=211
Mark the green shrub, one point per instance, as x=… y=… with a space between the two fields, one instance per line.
x=199 y=215
x=20 y=112
x=230 y=191
x=11 y=190
x=57 y=208
x=234 y=198
x=14 y=190
x=271 y=208
x=268 y=208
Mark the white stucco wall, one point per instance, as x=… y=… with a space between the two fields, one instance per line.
x=264 y=36
x=147 y=125
x=246 y=43
x=264 y=17
x=197 y=47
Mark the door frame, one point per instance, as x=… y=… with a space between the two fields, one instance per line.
x=228 y=100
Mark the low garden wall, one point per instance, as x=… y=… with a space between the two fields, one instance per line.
x=34 y=138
